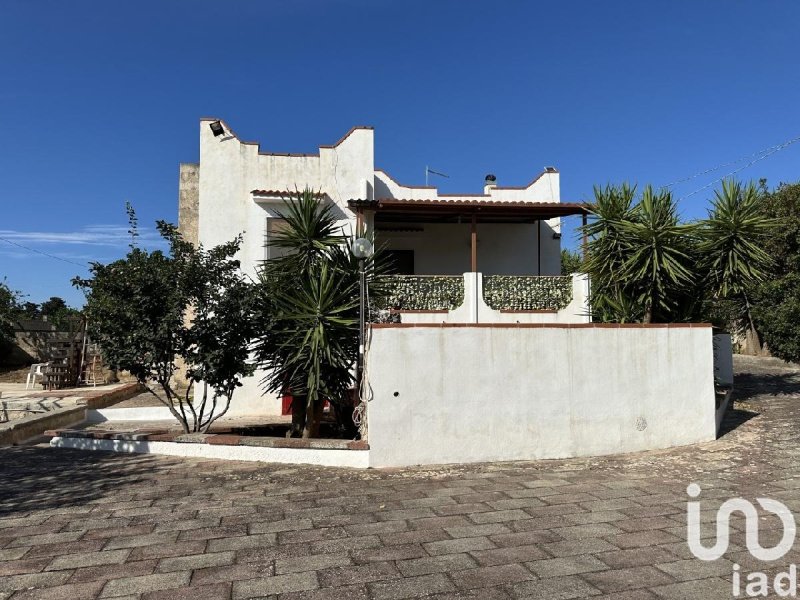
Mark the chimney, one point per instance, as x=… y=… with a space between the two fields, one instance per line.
x=489 y=183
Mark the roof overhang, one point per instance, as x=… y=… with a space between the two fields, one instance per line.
x=455 y=210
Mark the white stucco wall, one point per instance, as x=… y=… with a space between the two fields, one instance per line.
x=231 y=169
x=486 y=393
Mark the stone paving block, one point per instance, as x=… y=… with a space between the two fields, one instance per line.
x=491 y=576
x=645 y=524
x=684 y=570
x=440 y=522
x=168 y=550
x=242 y=541
x=345 y=544
x=539 y=523
x=461 y=509
x=567 y=565
x=70 y=591
x=310 y=535
x=513 y=503
x=708 y=589
x=490 y=593
x=617 y=580
x=11 y=583
x=502 y=556
x=144 y=584
x=135 y=541
x=46 y=538
x=398 y=552
x=19 y=567
x=279 y=584
x=357 y=574
x=590 y=530
x=64 y=548
x=195 y=561
x=563 y=588
x=575 y=547
x=636 y=557
x=640 y=594
x=525 y=538
x=641 y=539
x=96 y=523
x=111 y=532
x=350 y=592
x=600 y=516
x=210 y=533
x=106 y=572
x=413 y=537
x=13 y=553
x=89 y=559
x=458 y=545
x=209 y=575
x=216 y=591
x=187 y=525
x=499 y=516
x=312 y=562
x=376 y=528
x=435 y=564
x=410 y=587
x=477 y=530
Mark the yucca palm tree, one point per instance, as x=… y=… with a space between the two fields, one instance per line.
x=640 y=255
x=606 y=252
x=732 y=246
x=658 y=267
x=308 y=316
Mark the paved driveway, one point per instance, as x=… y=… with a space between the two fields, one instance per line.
x=86 y=525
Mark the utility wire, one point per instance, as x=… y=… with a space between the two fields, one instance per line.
x=72 y=262
x=765 y=151
x=769 y=153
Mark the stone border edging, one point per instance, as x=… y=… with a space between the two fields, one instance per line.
x=215 y=439
x=19 y=430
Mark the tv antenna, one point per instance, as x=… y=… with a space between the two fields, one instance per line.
x=428 y=170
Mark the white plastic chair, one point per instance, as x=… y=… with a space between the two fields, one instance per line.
x=37 y=370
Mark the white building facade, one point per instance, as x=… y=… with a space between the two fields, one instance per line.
x=488 y=257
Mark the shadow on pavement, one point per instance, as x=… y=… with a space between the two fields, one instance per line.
x=41 y=478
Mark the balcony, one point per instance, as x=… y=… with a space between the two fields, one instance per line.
x=473 y=298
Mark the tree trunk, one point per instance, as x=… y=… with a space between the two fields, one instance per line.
x=298 y=416
x=313 y=417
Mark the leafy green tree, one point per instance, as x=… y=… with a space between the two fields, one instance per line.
x=307 y=317
x=154 y=314
x=776 y=302
x=58 y=313
x=10 y=310
x=571 y=262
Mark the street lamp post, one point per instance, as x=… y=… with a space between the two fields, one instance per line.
x=362 y=249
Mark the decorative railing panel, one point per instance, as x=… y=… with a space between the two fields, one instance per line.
x=511 y=292
x=422 y=292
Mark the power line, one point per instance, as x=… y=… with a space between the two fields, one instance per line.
x=72 y=262
x=765 y=151
x=769 y=153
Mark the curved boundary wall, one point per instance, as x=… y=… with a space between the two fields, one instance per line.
x=452 y=393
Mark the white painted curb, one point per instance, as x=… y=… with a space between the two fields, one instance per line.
x=355 y=459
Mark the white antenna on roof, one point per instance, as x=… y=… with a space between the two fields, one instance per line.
x=429 y=170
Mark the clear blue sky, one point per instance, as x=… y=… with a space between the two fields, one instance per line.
x=99 y=101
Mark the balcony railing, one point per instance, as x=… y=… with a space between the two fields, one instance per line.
x=421 y=292
x=511 y=292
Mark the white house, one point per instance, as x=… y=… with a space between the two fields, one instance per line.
x=485 y=257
